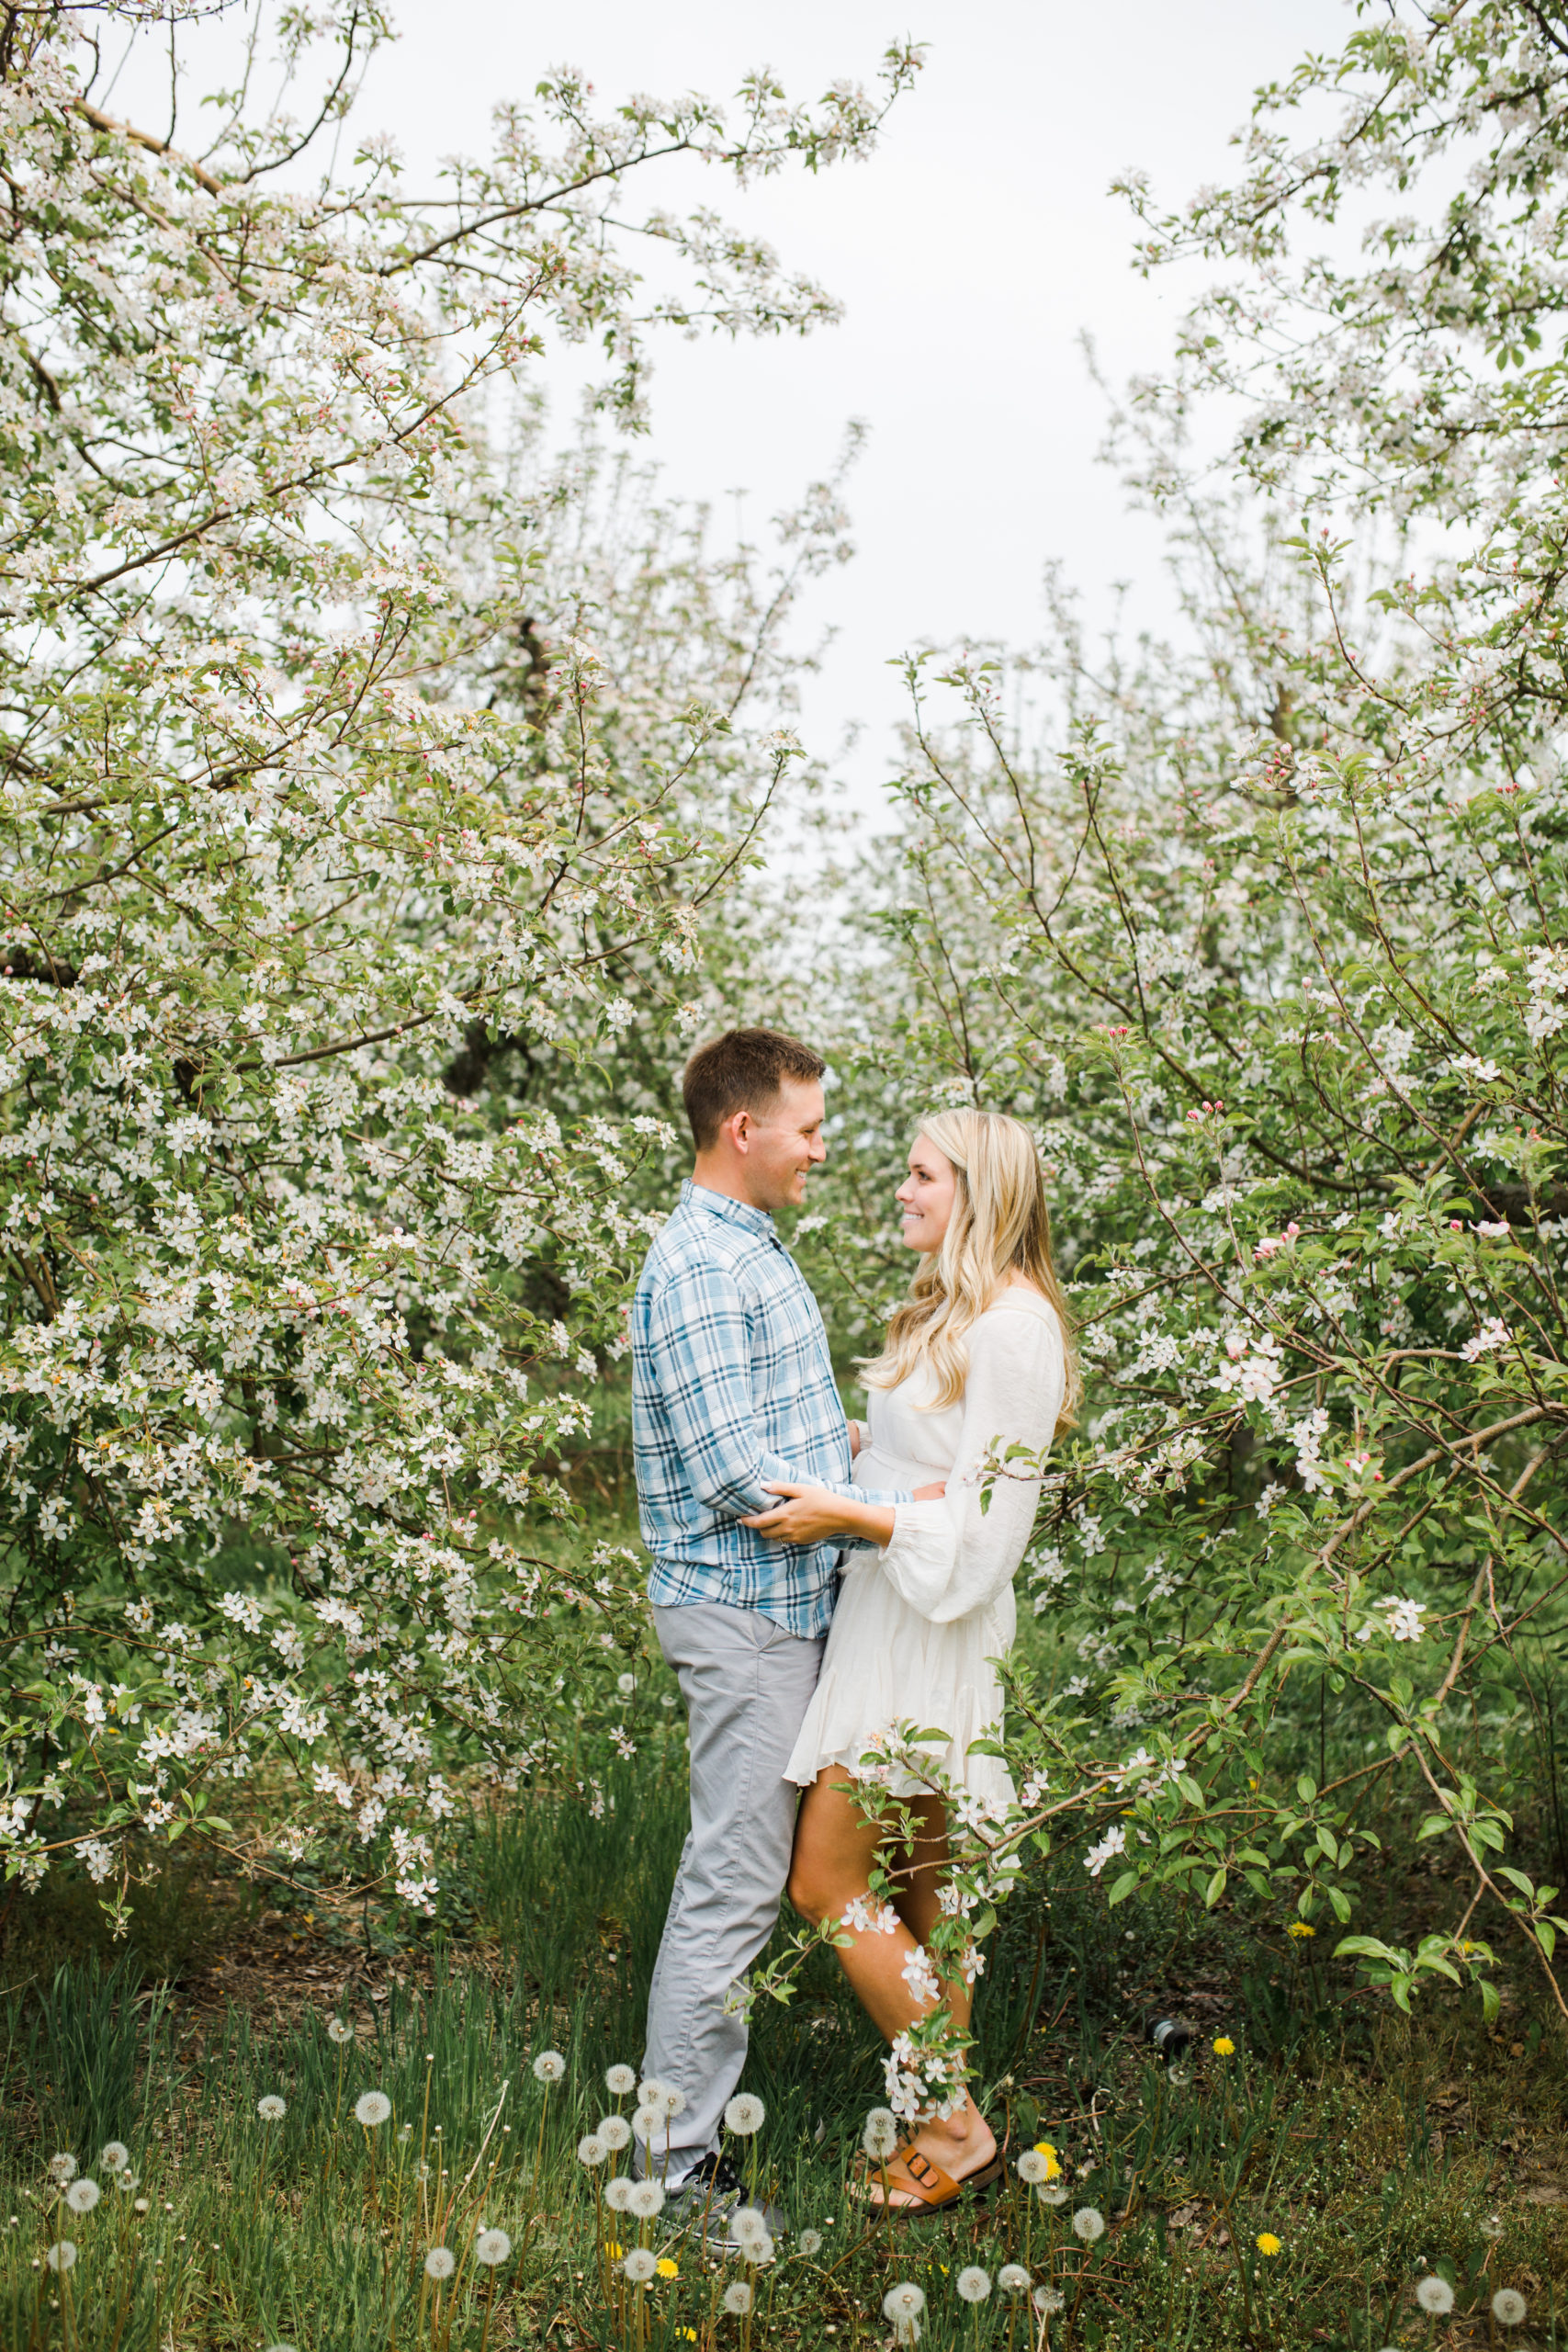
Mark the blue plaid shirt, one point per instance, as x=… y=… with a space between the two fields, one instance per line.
x=732 y=1384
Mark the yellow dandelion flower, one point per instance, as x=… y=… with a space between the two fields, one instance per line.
x=685 y=2335
x=1268 y=2244
x=1053 y=2169
x=1300 y=1929
x=1224 y=2046
x=668 y=2269
x=615 y=2253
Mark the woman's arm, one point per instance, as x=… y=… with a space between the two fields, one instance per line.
x=812 y=1515
x=947 y=1558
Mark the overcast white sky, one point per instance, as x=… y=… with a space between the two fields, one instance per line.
x=970 y=253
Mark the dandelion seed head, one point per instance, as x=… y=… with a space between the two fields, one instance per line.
x=440 y=2262
x=617 y=2192
x=1492 y=2227
x=671 y=2101
x=128 y=2183
x=492 y=2247
x=139 y=2206
x=620 y=2080
x=1050 y=2193
x=646 y=2199
x=62 y=2168
x=810 y=2242
x=82 y=2195
x=1047 y=2299
x=647 y=2122
x=1434 y=2295
x=1088 y=2223
x=116 y=2155
x=880 y=2136
x=649 y=2091
x=744 y=2114
x=973 y=2283
x=339 y=2030
x=591 y=2149
x=614 y=2131
x=737 y=2298
x=370 y=2109
x=548 y=2066
x=272 y=2109
x=1032 y=2166
x=1013 y=2277
x=60 y=2256
x=1509 y=2308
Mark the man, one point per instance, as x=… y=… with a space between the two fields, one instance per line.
x=732 y=1387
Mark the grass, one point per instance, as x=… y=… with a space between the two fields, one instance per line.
x=1375 y=2151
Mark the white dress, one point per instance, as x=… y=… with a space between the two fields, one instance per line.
x=918 y=1626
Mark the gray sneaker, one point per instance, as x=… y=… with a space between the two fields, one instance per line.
x=708 y=2201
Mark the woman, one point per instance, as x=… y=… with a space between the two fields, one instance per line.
x=977 y=1358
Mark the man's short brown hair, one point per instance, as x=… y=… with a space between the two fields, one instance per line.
x=743 y=1070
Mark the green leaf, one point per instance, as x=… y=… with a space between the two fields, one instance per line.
x=1306 y=1789
x=1341 y=1903
x=1515 y=1878
x=1368 y=1948
x=1124 y=1886
x=1490 y=2003
x=1214 y=1889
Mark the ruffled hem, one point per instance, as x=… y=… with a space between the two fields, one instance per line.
x=843 y=1726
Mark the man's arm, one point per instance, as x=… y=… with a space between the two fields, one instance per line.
x=700 y=1356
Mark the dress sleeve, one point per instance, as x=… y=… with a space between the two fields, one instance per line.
x=950 y=1556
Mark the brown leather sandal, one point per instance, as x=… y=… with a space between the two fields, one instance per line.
x=931 y=2188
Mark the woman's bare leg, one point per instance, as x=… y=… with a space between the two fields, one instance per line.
x=835 y=1852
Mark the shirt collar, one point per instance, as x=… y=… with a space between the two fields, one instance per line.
x=741 y=1213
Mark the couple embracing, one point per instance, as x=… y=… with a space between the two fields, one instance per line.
x=815 y=1581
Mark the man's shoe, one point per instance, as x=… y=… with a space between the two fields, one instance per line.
x=708 y=2200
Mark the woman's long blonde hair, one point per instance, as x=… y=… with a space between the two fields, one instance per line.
x=999 y=1224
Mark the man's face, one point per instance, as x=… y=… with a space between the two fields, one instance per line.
x=784 y=1145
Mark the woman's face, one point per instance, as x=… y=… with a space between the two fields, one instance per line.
x=927 y=1196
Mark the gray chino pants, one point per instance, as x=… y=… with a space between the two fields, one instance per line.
x=746 y=1683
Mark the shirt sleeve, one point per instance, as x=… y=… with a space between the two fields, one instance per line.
x=699 y=1354
x=949 y=1557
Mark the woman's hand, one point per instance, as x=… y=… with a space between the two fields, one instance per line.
x=805 y=1515
x=811 y=1515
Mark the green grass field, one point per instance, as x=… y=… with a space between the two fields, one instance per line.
x=1375 y=2152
